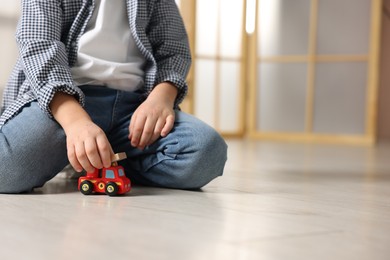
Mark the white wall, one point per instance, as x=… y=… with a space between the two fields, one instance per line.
x=9 y=13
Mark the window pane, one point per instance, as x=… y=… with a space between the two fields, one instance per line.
x=284 y=27
x=206 y=27
x=340 y=98
x=231 y=28
x=282 y=97
x=230 y=96
x=344 y=26
x=204 y=93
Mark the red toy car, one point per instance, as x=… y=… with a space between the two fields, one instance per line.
x=111 y=181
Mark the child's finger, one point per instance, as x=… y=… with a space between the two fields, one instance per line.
x=159 y=127
x=131 y=126
x=83 y=158
x=73 y=159
x=137 y=130
x=157 y=131
x=91 y=149
x=169 y=123
x=105 y=150
x=147 y=132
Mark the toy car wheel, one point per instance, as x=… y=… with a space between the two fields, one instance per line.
x=111 y=189
x=86 y=187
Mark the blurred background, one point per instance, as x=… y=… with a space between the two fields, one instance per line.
x=302 y=70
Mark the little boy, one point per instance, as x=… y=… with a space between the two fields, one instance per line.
x=98 y=76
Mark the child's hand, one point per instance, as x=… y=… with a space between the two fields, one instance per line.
x=154 y=118
x=87 y=145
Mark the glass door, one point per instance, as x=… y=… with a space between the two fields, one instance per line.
x=219 y=81
x=296 y=70
x=315 y=70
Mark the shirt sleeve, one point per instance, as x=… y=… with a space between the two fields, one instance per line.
x=44 y=57
x=169 y=40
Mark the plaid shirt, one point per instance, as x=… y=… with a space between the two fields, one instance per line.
x=48 y=34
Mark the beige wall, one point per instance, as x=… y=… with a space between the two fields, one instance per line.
x=384 y=87
x=9 y=12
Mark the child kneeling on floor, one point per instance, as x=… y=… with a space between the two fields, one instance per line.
x=98 y=76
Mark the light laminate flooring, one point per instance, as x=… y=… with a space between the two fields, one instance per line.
x=275 y=201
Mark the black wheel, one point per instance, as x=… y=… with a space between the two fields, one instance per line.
x=86 y=187
x=111 y=189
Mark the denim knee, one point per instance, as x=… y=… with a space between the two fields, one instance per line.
x=24 y=167
x=14 y=177
x=23 y=176
x=211 y=159
x=203 y=164
x=188 y=163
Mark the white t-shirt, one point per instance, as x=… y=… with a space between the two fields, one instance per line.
x=107 y=53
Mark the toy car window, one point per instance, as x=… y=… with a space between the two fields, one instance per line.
x=110 y=174
x=121 y=172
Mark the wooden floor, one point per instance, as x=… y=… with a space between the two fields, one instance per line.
x=275 y=201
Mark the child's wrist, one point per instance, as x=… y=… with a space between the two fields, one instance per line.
x=165 y=91
x=67 y=111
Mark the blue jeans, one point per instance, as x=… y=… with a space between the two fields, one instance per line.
x=33 y=146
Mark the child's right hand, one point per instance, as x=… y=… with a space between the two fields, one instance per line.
x=87 y=144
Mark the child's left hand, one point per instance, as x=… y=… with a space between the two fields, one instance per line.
x=154 y=118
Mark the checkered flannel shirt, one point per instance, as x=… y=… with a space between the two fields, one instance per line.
x=48 y=34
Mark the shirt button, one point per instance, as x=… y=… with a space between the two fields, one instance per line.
x=26 y=96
